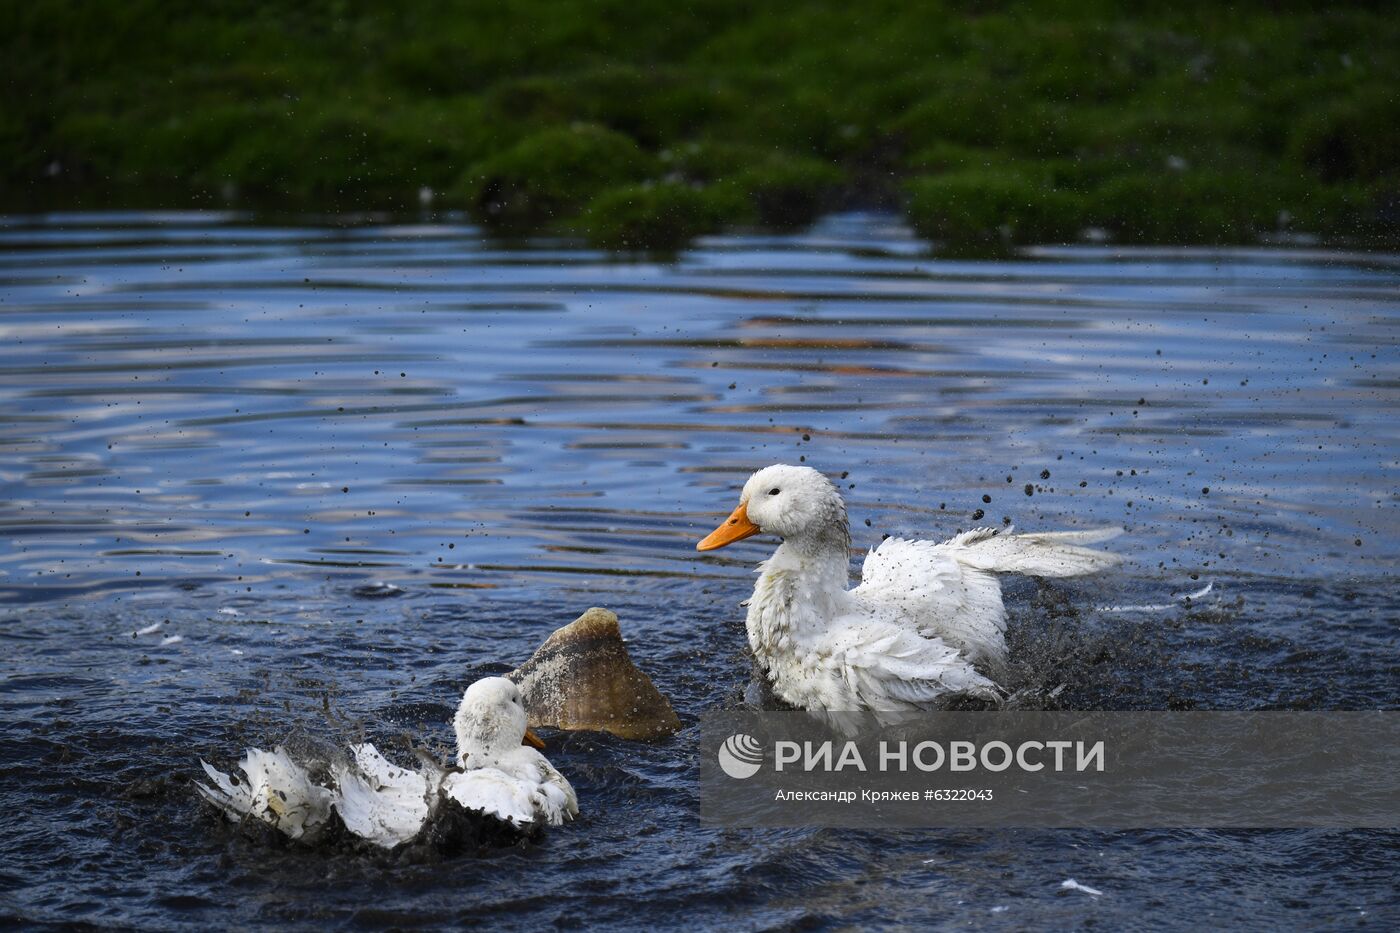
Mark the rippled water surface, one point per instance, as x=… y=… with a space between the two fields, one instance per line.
x=217 y=437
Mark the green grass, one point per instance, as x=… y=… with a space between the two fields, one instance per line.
x=990 y=206
x=551 y=175
x=642 y=124
x=656 y=216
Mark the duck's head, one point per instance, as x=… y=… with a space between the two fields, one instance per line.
x=793 y=502
x=491 y=720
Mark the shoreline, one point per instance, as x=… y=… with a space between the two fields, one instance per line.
x=984 y=128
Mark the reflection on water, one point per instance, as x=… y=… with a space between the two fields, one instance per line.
x=250 y=474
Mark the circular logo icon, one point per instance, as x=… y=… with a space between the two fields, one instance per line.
x=740 y=756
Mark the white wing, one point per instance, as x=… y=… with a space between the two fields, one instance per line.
x=889 y=668
x=1041 y=554
x=379 y=801
x=234 y=799
x=927 y=587
x=275 y=789
x=494 y=793
x=950 y=590
x=387 y=775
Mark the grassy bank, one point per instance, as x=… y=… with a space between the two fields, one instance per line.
x=641 y=124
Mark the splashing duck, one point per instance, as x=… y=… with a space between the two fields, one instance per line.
x=500 y=774
x=926 y=622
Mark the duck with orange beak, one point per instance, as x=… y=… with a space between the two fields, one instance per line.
x=926 y=623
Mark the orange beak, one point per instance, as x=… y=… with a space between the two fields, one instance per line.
x=532 y=740
x=736 y=527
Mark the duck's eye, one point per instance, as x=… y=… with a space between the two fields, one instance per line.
x=774 y=491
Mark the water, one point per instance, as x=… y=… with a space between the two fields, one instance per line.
x=216 y=436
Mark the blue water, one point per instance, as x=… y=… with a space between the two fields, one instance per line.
x=217 y=435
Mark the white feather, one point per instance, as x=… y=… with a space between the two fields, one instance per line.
x=275 y=789
x=558 y=801
x=379 y=801
x=1043 y=554
x=520 y=782
x=926 y=585
x=494 y=793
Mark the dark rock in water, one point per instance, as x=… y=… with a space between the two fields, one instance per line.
x=582 y=678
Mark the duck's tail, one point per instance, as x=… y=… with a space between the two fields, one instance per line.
x=1043 y=554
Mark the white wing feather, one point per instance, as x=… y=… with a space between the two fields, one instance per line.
x=379 y=801
x=889 y=668
x=235 y=800
x=950 y=590
x=524 y=788
x=494 y=793
x=557 y=801
x=1042 y=554
x=928 y=588
x=276 y=790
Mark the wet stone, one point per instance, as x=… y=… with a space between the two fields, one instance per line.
x=582 y=678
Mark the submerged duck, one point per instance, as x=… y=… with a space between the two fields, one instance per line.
x=926 y=623
x=500 y=775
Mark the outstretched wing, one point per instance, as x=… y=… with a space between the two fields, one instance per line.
x=925 y=586
x=235 y=800
x=275 y=790
x=1039 y=554
x=379 y=801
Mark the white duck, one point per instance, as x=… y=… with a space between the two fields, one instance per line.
x=927 y=621
x=388 y=805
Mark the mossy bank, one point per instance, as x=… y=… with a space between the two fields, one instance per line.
x=642 y=124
